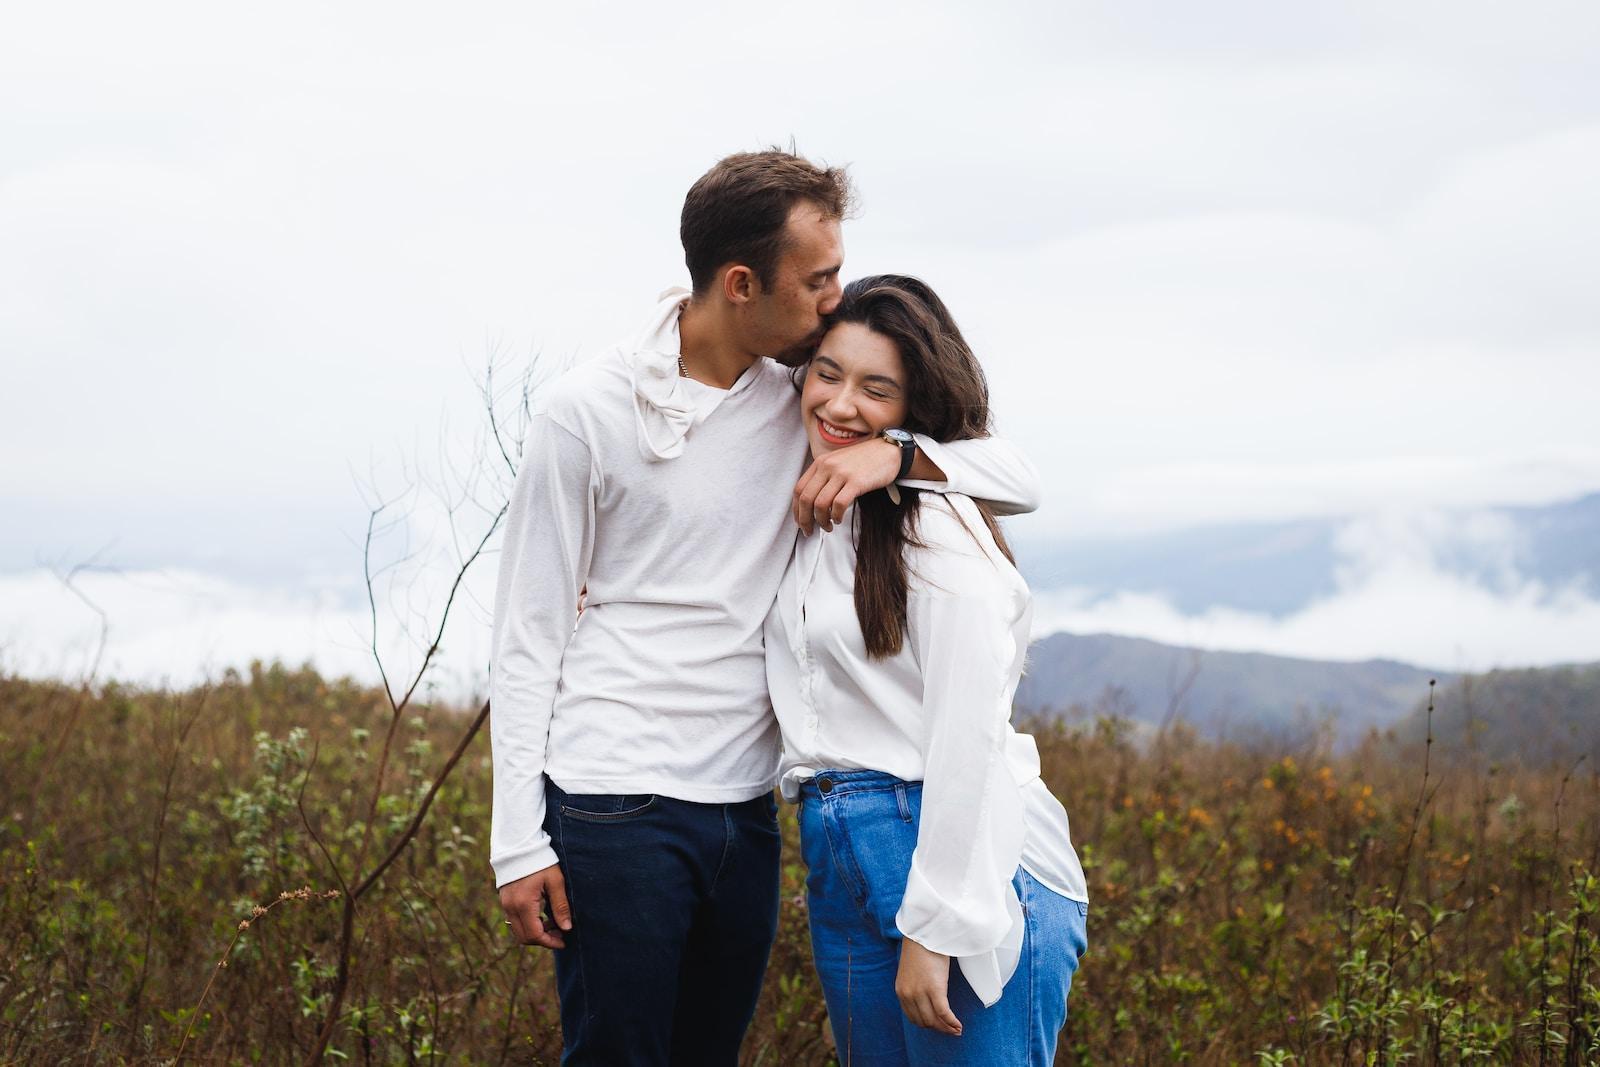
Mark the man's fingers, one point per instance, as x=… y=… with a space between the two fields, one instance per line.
x=524 y=903
x=546 y=938
x=560 y=910
x=529 y=929
x=539 y=932
x=552 y=888
x=828 y=488
x=823 y=508
x=811 y=481
x=847 y=496
x=805 y=493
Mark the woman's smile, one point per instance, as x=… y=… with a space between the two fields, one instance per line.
x=837 y=435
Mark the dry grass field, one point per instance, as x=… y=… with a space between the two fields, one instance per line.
x=1249 y=906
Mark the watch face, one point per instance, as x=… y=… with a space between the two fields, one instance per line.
x=899 y=437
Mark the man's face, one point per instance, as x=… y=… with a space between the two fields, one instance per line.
x=786 y=319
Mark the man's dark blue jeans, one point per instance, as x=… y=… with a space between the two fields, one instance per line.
x=674 y=909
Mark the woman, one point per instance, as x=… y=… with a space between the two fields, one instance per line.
x=893 y=651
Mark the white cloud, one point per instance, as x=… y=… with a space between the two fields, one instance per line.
x=1245 y=260
x=182 y=627
x=1396 y=598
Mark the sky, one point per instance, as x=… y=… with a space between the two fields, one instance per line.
x=1222 y=262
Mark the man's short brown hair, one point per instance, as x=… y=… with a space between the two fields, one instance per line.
x=736 y=212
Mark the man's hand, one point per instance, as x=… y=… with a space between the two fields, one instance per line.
x=832 y=483
x=525 y=901
x=923 y=986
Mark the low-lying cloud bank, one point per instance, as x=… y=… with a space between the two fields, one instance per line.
x=176 y=627
x=1401 y=593
x=179 y=627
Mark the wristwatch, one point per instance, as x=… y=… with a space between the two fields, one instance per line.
x=903 y=440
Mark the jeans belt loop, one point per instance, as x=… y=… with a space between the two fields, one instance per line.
x=902 y=801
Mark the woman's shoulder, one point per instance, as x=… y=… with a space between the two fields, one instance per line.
x=953 y=522
x=956 y=553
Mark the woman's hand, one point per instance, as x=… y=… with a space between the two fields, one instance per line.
x=923 y=985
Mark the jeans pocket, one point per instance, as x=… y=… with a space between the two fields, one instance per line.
x=605 y=808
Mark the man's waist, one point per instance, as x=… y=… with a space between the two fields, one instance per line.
x=693 y=791
x=663 y=677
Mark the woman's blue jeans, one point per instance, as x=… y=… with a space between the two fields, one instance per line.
x=857 y=832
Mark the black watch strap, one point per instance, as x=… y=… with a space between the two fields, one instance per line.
x=908 y=450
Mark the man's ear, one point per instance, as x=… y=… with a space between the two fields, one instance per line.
x=740 y=285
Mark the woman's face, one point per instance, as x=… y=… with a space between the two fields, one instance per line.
x=855 y=388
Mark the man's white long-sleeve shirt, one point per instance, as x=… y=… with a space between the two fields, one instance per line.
x=669 y=500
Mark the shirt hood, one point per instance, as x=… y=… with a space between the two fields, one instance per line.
x=662 y=408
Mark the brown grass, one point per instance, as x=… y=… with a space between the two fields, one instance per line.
x=1248 y=905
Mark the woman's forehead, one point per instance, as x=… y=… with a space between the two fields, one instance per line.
x=858 y=349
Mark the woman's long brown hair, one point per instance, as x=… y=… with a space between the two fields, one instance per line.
x=947 y=398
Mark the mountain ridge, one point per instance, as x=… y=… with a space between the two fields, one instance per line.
x=1222 y=694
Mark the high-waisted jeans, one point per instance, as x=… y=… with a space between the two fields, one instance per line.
x=857 y=831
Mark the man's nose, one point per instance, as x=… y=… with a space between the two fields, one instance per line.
x=831 y=297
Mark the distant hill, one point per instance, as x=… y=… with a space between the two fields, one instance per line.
x=1222 y=694
x=1279 y=568
x=1536 y=716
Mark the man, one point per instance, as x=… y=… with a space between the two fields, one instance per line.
x=634 y=829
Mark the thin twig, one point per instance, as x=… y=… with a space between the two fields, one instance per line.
x=303 y=893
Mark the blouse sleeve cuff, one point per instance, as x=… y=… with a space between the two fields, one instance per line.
x=948 y=927
x=986 y=949
x=988 y=972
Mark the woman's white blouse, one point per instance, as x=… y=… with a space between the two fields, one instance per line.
x=937 y=712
